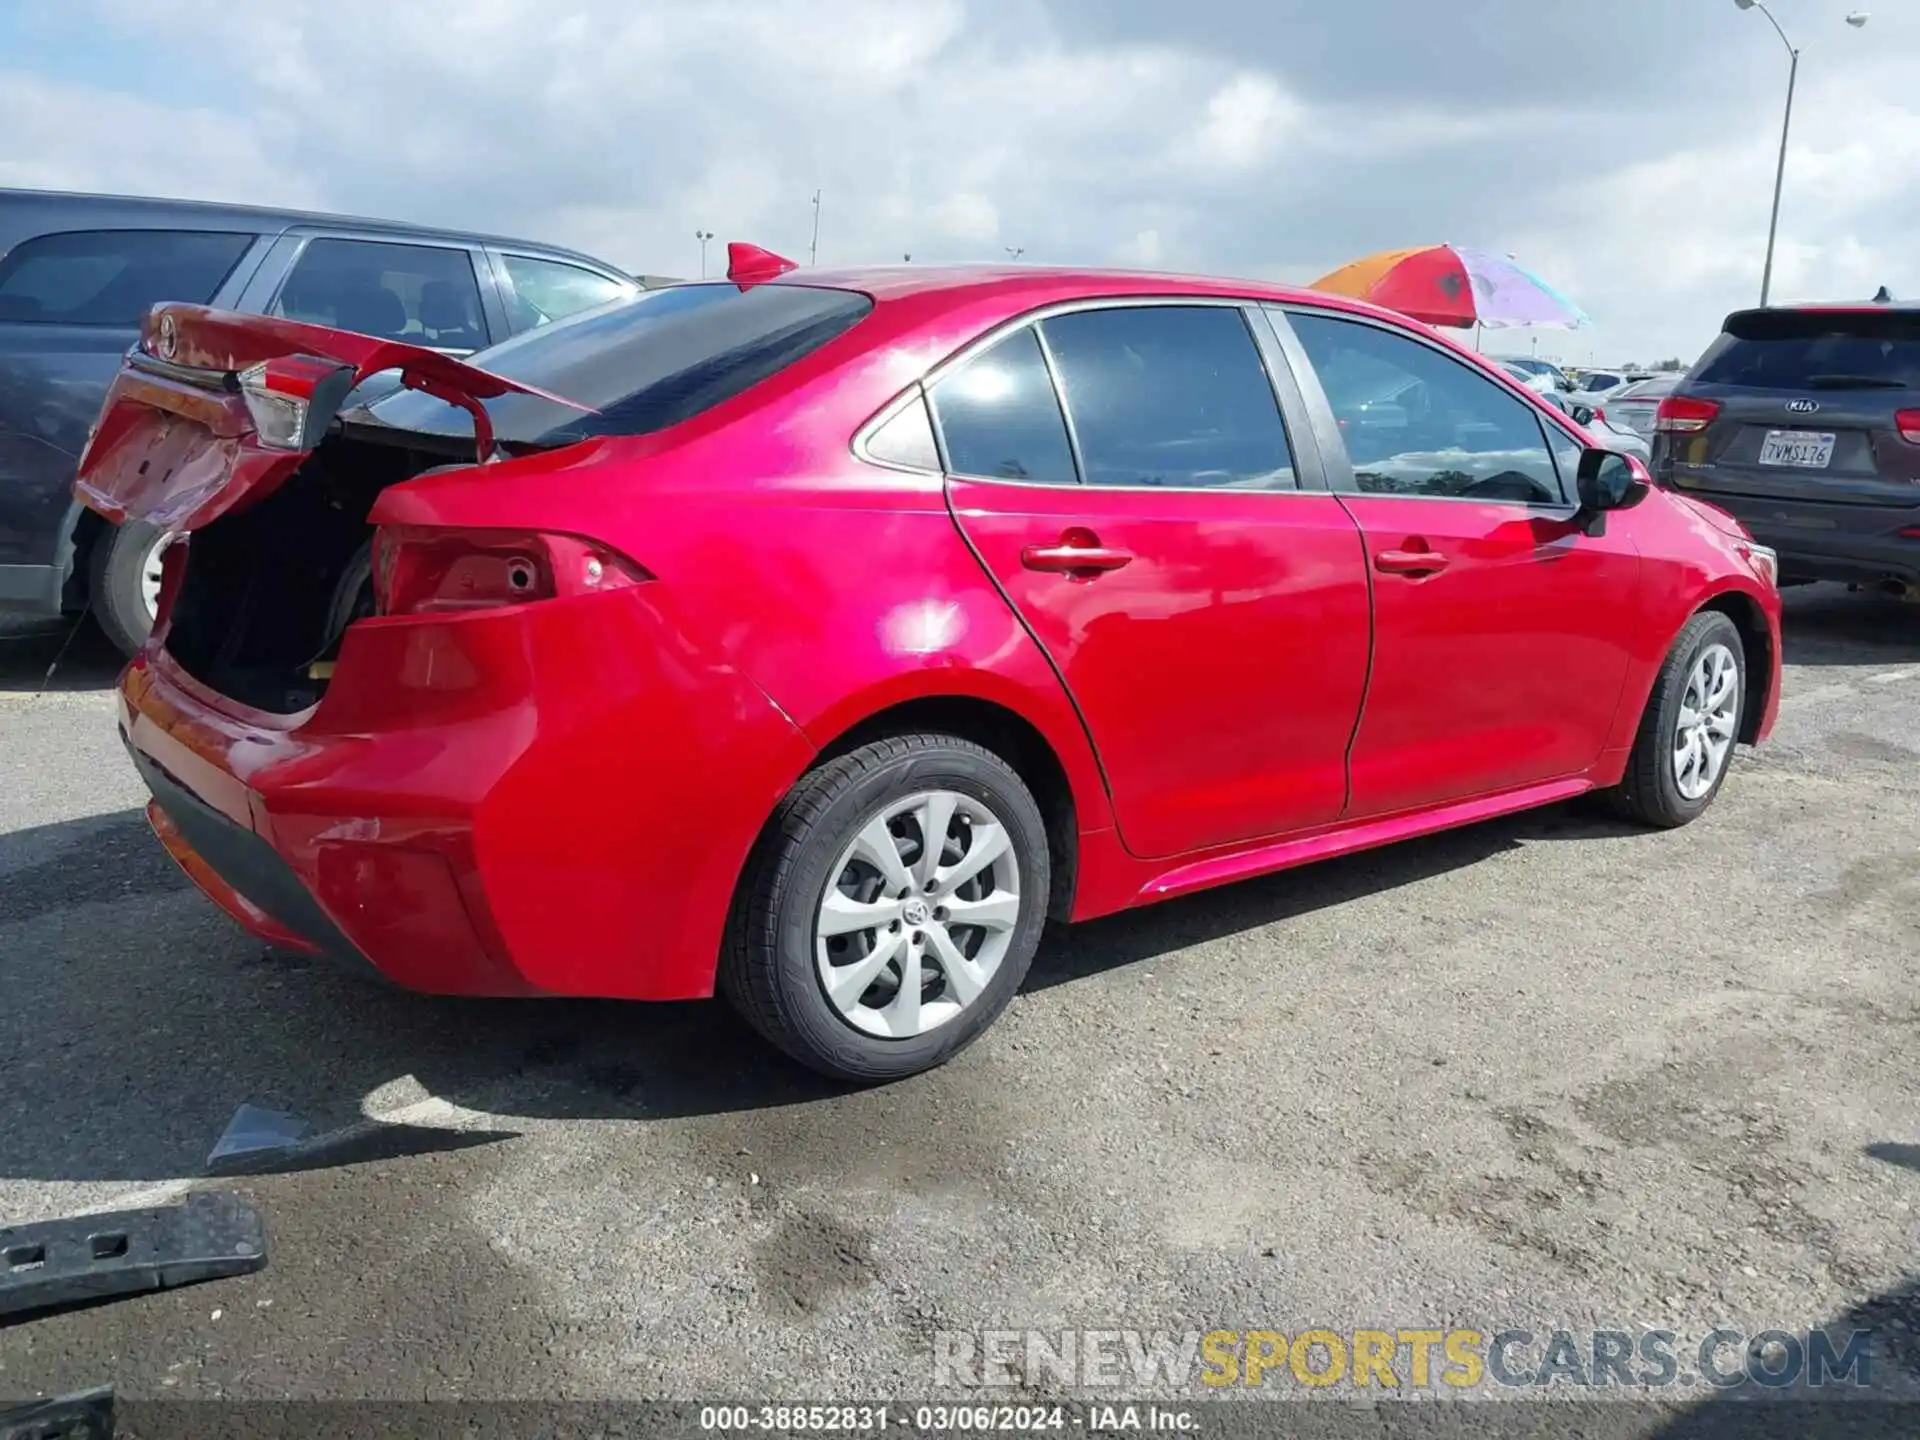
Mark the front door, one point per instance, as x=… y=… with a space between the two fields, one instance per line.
x=1501 y=631
x=1206 y=611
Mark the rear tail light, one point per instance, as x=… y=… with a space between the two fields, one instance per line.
x=1682 y=415
x=1909 y=423
x=1912 y=532
x=1598 y=413
x=294 y=398
x=421 y=572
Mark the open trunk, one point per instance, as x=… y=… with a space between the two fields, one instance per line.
x=225 y=428
x=268 y=591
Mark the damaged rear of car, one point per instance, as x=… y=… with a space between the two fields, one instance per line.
x=376 y=662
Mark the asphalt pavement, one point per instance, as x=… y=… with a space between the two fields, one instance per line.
x=1549 y=1072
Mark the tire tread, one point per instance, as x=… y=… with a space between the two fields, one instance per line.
x=748 y=971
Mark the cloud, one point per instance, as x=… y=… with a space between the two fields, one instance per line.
x=1631 y=162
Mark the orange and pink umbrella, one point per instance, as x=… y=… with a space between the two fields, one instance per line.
x=1455 y=286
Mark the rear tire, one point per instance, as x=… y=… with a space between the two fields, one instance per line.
x=122 y=581
x=1689 y=729
x=847 y=847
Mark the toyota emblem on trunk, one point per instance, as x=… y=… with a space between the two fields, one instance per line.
x=169 y=336
x=1803 y=407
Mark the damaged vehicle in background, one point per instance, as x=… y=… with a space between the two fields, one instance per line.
x=815 y=637
x=78 y=273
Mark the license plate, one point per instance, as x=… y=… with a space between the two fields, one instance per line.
x=1809 y=449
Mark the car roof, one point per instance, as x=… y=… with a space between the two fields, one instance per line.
x=1828 y=307
x=27 y=213
x=1037 y=285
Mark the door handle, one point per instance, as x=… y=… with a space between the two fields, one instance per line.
x=1078 y=553
x=1409 y=562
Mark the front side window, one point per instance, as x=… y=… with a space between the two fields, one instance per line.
x=547 y=290
x=1170 y=395
x=421 y=294
x=113 y=277
x=999 y=417
x=1416 y=422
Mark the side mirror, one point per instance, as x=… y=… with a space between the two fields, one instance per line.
x=1608 y=481
x=1582 y=414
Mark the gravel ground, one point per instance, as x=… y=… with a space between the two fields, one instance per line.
x=1547 y=1072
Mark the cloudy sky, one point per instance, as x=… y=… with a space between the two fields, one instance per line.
x=1624 y=148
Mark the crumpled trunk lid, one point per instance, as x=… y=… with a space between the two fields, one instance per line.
x=178 y=443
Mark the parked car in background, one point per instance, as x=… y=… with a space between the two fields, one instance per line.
x=78 y=274
x=1634 y=406
x=1541 y=382
x=1804 y=421
x=819 y=635
x=1595 y=421
x=1534 y=370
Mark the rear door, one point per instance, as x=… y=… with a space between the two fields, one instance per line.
x=1166 y=539
x=1803 y=405
x=1501 y=632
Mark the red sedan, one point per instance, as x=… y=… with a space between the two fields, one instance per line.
x=818 y=636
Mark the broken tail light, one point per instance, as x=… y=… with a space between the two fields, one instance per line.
x=419 y=571
x=294 y=398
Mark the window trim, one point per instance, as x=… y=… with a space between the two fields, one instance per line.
x=1309 y=477
x=249 y=250
x=894 y=407
x=1339 y=468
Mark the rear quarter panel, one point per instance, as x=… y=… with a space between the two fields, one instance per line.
x=839 y=587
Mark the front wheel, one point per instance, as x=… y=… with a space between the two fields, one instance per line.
x=891 y=910
x=1687 y=733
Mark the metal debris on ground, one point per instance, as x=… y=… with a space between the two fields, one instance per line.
x=55 y=1263
x=83 y=1415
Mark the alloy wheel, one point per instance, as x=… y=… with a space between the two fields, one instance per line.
x=150 y=571
x=918 y=914
x=1709 y=717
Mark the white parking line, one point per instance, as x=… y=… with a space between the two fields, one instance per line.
x=1891 y=676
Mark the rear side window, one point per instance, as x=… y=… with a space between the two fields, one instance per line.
x=422 y=294
x=113 y=277
x=644 y=363
x=1816 y=350
x=1170 y=395
x=547 y=290
x=999 y=416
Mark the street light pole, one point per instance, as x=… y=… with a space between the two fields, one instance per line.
x=813 y=249
x=703 y=236
x=1779 y=175
x=1857 y=19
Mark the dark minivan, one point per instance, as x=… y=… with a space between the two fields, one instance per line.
x=1804 y=422
x=78 y=273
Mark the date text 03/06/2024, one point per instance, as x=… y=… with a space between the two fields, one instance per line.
x=963 y=1418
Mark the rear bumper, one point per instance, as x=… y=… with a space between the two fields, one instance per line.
x=1824 y=541
x=536 y=800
